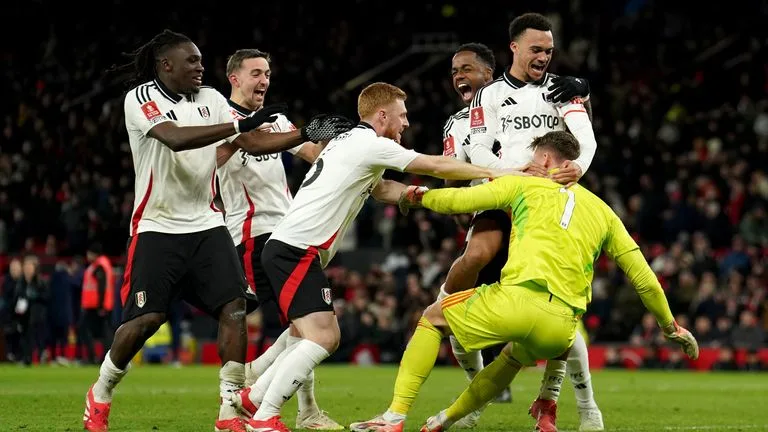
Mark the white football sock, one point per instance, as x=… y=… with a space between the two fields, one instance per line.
x=109 y=376
x=578 y=370
x=254 y=369
x=471 y=362
x=260 y=387
x=306 y=393
x=292 y=373
x=231 y=379
x=554 y=374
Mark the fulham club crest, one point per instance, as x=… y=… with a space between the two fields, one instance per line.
x=326 y=295
x=204 y=113
x=141 y=299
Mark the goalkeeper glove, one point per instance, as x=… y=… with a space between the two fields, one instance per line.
x=268 y=114
x=324 y=127
x=411 y=198
x=682 y=337
x=563 y=89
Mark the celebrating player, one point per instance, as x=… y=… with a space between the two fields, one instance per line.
x=512 y=110
x=544 y=289
x=179 y=245
x=348 y=170
x=256 y=196
x=485 y=252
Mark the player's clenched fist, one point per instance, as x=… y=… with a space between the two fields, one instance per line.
x=684 y=338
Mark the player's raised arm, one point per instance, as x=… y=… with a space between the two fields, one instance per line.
x=620 y=246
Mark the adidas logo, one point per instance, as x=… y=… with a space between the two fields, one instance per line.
x=508 y=101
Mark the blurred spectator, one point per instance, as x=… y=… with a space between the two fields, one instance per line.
x=747 y=334
x=8 y=316
x=60 y=312
x=726 y=360
x=31 y=301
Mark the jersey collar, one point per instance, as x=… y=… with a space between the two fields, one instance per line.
x=243 y=111
x=516 y=83
x=365 y=125
x=167 y=93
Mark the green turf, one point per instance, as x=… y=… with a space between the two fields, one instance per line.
x=166 y=399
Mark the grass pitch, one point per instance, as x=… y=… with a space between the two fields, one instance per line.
x=160 y=398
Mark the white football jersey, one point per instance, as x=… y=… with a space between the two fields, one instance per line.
x=335 y=188
x=456 y=138
x=513 y=113
x=456 y=135
x=254 y=189
x=173 y=190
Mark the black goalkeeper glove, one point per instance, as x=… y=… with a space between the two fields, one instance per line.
x=324 y=127
x=267 y=114
x=563 y=89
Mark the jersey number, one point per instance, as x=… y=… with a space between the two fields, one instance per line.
x=565 y=220
x=318 y=169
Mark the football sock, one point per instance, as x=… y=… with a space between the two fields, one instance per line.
x=417 y=362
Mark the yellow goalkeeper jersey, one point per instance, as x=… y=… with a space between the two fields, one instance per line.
x=557 y=234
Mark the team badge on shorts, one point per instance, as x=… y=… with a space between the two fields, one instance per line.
x=326 y=295
x=204 y=113
x=141 y=299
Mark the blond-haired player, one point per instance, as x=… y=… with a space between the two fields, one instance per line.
x=345 y=174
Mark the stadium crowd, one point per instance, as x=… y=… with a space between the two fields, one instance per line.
x=680 y=115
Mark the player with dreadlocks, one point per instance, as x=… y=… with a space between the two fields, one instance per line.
x=179 y=244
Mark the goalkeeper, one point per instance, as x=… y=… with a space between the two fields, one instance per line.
x=545 y=286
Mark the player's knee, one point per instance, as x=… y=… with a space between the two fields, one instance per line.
x=478 y=255
x=233 y=311
x=321 y=328
x=147 y=324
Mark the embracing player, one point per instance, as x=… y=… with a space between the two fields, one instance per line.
x=544 y=289
x=346 y=173
x=485 y=252
x=523 y=103
x=256 y=196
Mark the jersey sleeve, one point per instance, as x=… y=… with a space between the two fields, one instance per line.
x=497 y=194
x=223 y=113
x=617 y=241
x=386 y=153
x=282 y=124
x=483 y=124
x=576 y=118
x=142 y=113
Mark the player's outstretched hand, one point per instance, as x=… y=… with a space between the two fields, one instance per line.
x=324 y=127
x=268 y=114
x=684 y=338
x=568 y=174
x=411 y=198
x=565 y=88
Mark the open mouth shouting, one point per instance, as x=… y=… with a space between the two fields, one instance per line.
x=537 y=70
x=465 y=90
